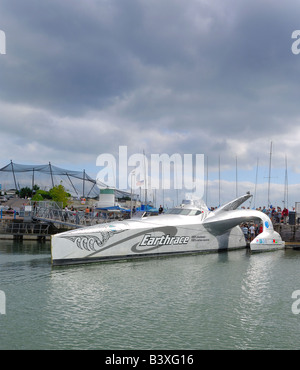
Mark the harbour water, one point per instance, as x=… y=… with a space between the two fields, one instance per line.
x=234 y=300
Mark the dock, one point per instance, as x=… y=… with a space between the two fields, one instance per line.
x=292 y=245
x=289 y=233
x=20 y=230
x=42 y=221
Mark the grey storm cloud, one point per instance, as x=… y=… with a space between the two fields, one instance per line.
x=216 y=77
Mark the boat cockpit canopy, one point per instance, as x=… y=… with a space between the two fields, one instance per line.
x=183 y=212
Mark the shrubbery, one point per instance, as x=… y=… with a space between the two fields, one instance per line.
x=57 y=193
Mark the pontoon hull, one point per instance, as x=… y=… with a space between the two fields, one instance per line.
x=267 y=243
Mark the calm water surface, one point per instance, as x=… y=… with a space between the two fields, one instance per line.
x=231 y=300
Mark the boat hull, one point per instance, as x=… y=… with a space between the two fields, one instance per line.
x=266 y=247
x=186 y=229
x=266 y=242
x=131 y=240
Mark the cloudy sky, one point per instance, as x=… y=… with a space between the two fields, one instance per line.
x=214 y=77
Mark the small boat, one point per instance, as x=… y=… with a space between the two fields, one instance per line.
x=188 y=229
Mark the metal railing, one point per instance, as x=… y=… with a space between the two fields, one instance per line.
x=21 y=228
x=52 y=212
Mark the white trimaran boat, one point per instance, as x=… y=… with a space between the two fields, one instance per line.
x=190 y=228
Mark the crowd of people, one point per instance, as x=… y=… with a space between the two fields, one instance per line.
x=250 y=231
x=276 y=214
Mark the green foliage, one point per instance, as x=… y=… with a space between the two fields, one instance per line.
x=58 y=194
x=41 y=195
x=125 y=198
x=28 y=192
x=37 y=197
x=44 y=194
x=25 y=192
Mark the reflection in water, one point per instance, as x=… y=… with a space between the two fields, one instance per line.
x=256 y=304
x=231 y=300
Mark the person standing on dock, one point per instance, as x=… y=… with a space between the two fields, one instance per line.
x=252 y=232
x=66 y=215
x=245 y=231
x=285 y=214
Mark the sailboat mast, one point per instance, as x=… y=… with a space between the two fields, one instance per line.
x=255 y=183
x=236 y=177
x=146 y=178
x=286 y=189
x=269 y=183
x=206 y=192
x=219 y=181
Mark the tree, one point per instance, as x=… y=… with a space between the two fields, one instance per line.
x=58 y=194
x=41 y=195
x=37 y=197
x=25 y=192
x=35 y=188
